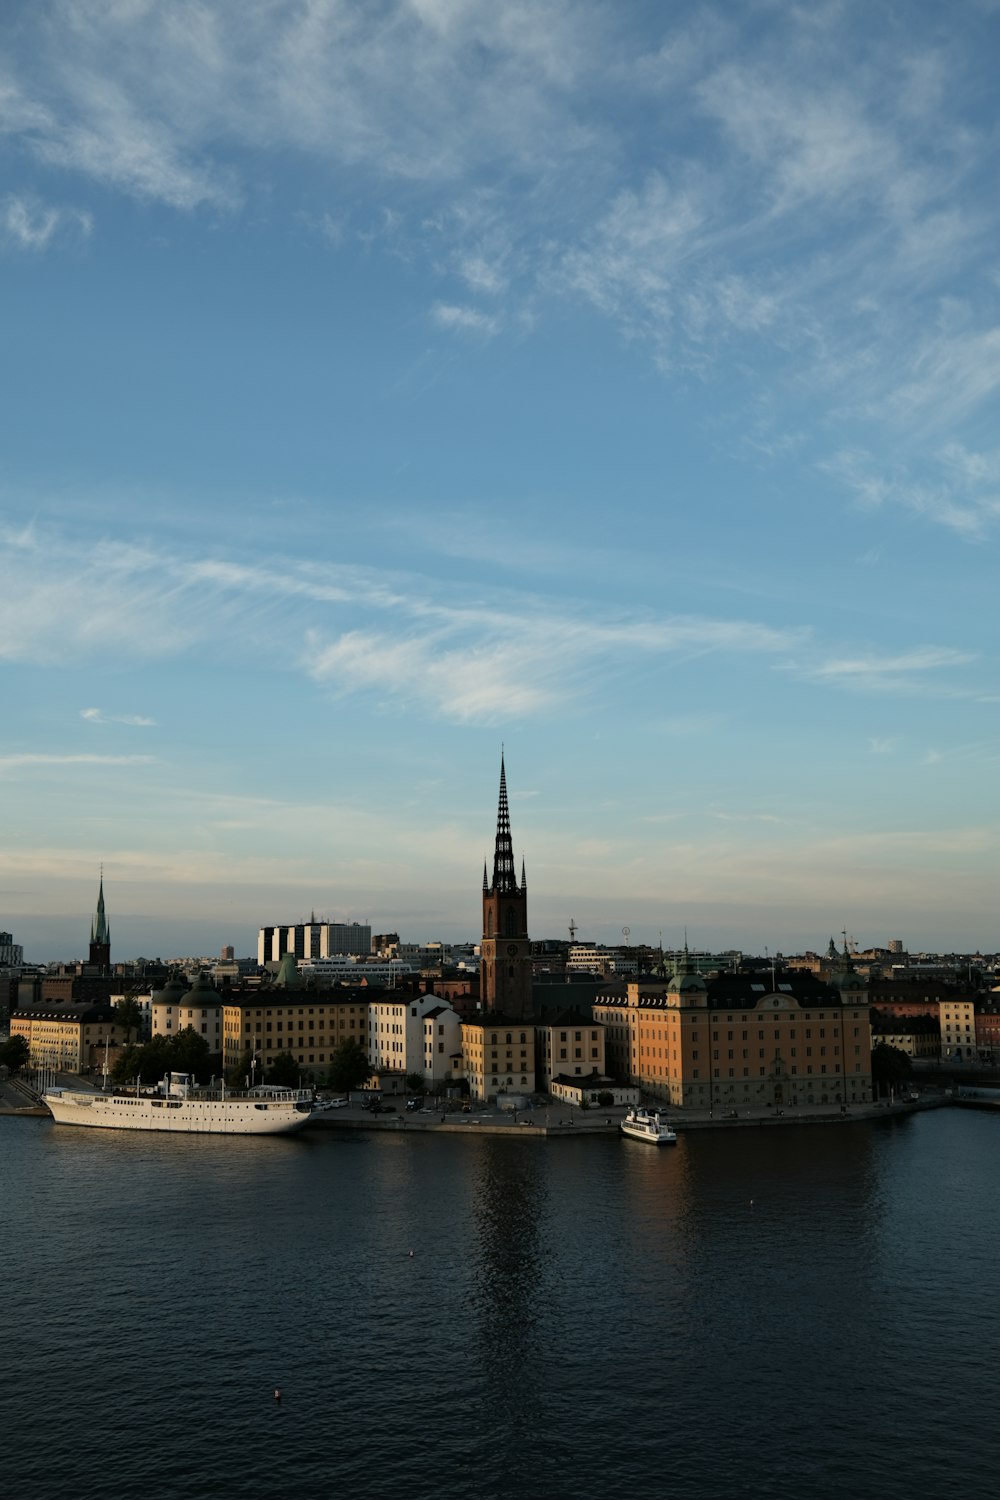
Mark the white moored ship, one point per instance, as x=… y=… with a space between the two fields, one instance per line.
x=649 y=1125
x=176 y=1104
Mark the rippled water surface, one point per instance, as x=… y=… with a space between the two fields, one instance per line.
x=803 y=1313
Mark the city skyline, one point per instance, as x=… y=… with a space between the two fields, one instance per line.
x=386 y=384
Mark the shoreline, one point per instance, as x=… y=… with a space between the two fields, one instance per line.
x=553 y=1121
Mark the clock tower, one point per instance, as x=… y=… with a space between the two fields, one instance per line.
x=505 y=952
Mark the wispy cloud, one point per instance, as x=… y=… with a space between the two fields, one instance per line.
x=27 y=224
x=952 y=487
x=465 y=319
x=29 y=760
x=926 y=671
x=462 y=655
x=97 y=716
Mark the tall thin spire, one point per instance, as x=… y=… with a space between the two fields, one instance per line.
x=504 y=875
x=99 y=930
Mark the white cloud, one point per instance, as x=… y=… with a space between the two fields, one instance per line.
x=465 y=319
x=96 y=716
x=26 y=224
x=951 y=487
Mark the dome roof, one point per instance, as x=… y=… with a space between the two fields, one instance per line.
x=288 y=973
x=171 y=992
x=203 y=991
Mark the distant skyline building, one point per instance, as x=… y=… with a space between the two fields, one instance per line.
x=506 y=967
x=312 y=940
x=11 y=953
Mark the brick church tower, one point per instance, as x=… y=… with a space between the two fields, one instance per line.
x=505 y=977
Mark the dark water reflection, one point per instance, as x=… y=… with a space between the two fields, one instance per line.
x=788 y=1313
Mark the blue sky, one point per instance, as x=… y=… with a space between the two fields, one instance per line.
x=384 y=382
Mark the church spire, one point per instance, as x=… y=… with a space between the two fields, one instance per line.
x=100 y=933
x=504 y=876
x=99 y=930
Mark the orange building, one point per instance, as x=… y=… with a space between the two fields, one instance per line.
x=736 y=1041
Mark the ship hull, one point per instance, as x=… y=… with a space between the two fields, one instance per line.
x=229 y=1116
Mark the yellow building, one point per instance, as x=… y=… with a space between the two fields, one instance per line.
x=922 y=1044
x=498 y=1056
x=740 y=1042
x=67 y=1036
x=309 y=1025
x=958 y=1028
x=570 y=1047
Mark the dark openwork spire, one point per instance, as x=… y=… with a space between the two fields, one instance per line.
x=504 y=876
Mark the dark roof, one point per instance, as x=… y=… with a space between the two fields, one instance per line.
x=568 y=1018
x=68 y=1010
x=589 y=1080
x=744 y=991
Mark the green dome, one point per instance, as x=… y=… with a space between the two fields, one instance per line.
x=288 y=974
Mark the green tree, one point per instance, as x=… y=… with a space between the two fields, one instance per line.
x=890 y=1068
x=128 y=1013
x=415 y=1083
x=349 y=1066
x=605 y=1099
x=128 y=1064
x=187 y=1052
x=240 y=1071
x=15 y=1053
x=284 y=1070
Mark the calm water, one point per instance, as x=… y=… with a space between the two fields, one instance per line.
x=803 y=1313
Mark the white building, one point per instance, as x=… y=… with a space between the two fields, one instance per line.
x=396 y=1035
x=592 y=958
x=442 y=1044
x=374 y=971
x=175 y=1008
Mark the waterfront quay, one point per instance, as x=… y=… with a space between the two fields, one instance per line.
x=560 y=1120
x=544 y=1121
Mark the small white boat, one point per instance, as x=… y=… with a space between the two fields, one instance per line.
x=649 y=1125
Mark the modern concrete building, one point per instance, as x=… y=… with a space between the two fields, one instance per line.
x=312 y=939
x=11 y=953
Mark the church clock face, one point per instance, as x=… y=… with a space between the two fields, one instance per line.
x=511 y=950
